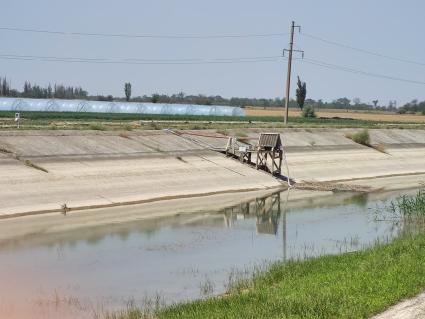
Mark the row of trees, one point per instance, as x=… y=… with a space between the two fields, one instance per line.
x=69 y=92
x=4 y=87
x=413 y=107
x=58 y=91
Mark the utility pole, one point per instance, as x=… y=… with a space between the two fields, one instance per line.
x=288 y=77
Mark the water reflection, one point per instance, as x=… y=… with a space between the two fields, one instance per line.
x=266 y=210
x=171 y=255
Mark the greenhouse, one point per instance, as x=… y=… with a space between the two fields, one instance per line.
x=57 y=105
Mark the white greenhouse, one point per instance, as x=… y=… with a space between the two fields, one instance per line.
x=57 y=105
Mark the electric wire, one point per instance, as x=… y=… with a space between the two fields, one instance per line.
x=357 y=71
x=345 y=46
x=148 y=36
x=138 y=61
x=198 y=61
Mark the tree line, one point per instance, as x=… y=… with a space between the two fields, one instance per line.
x=61 y=91
x=58 y=91
x=413 y=107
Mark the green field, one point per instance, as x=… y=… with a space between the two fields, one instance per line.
x=71 y=120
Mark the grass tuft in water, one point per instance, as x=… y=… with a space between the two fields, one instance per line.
x=410 y=208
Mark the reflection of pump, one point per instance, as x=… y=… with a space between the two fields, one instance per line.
x=18 y=119
x=268 y=214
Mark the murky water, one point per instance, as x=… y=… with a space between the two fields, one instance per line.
x=78 y=273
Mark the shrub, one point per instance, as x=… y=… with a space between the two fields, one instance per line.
x=361 y=137
x=308 y=111
x=96 y=127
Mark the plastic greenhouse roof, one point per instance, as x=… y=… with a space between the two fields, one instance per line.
x=58 y=105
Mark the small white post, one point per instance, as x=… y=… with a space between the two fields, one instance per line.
x=18 y=119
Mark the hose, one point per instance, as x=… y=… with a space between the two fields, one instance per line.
x=287 y=167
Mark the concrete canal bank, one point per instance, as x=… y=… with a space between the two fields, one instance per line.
x=42 y=171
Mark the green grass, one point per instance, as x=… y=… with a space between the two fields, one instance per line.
x=165 y=117
x=352 y=285
x=410 y=208
x=118 y=121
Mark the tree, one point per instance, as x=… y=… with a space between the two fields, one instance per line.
x=301 y=93
x=127 y=91
x=49 y=91
x=375 y=103
x=356 y=101
x=155 y=98
x=5 y=87
x=343 y=101
x=181 y=96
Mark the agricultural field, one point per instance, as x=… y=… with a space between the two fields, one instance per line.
x=345 y=114
x=255 y=118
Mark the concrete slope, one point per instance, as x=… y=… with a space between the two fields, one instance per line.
x=42 y=170
x=336 y=157
x=106 y=169
x=318 y=155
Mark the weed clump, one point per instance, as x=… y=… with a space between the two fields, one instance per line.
x=308 y=112
x=35 y=166
x=361 y=137
x=96 y=127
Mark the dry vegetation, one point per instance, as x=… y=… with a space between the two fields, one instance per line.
x=328 y=113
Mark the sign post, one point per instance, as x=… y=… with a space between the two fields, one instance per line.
x=18 y=118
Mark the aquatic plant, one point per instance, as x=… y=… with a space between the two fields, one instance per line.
x=410 y=208
x=206 y=288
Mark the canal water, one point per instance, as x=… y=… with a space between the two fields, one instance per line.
x=83 y=273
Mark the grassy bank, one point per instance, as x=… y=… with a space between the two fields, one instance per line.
x=352 y=285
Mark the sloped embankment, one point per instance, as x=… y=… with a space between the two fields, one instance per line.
x=95 y=169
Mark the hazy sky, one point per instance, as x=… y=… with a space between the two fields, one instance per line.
x=390 y=27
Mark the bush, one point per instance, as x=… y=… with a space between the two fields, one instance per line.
x=96 y=127
x=308 y=111
x=361 y=137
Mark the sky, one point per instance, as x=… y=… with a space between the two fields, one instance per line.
x=388 y=27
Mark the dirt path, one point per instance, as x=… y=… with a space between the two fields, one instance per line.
x=410 y=309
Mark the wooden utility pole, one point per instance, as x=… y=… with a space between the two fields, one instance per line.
x=288 y=76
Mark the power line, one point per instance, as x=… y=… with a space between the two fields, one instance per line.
x=147 y=36
x=136 y=61
x=216 y=36
x=199 y=61
x=357 y=71
x=345 y=46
